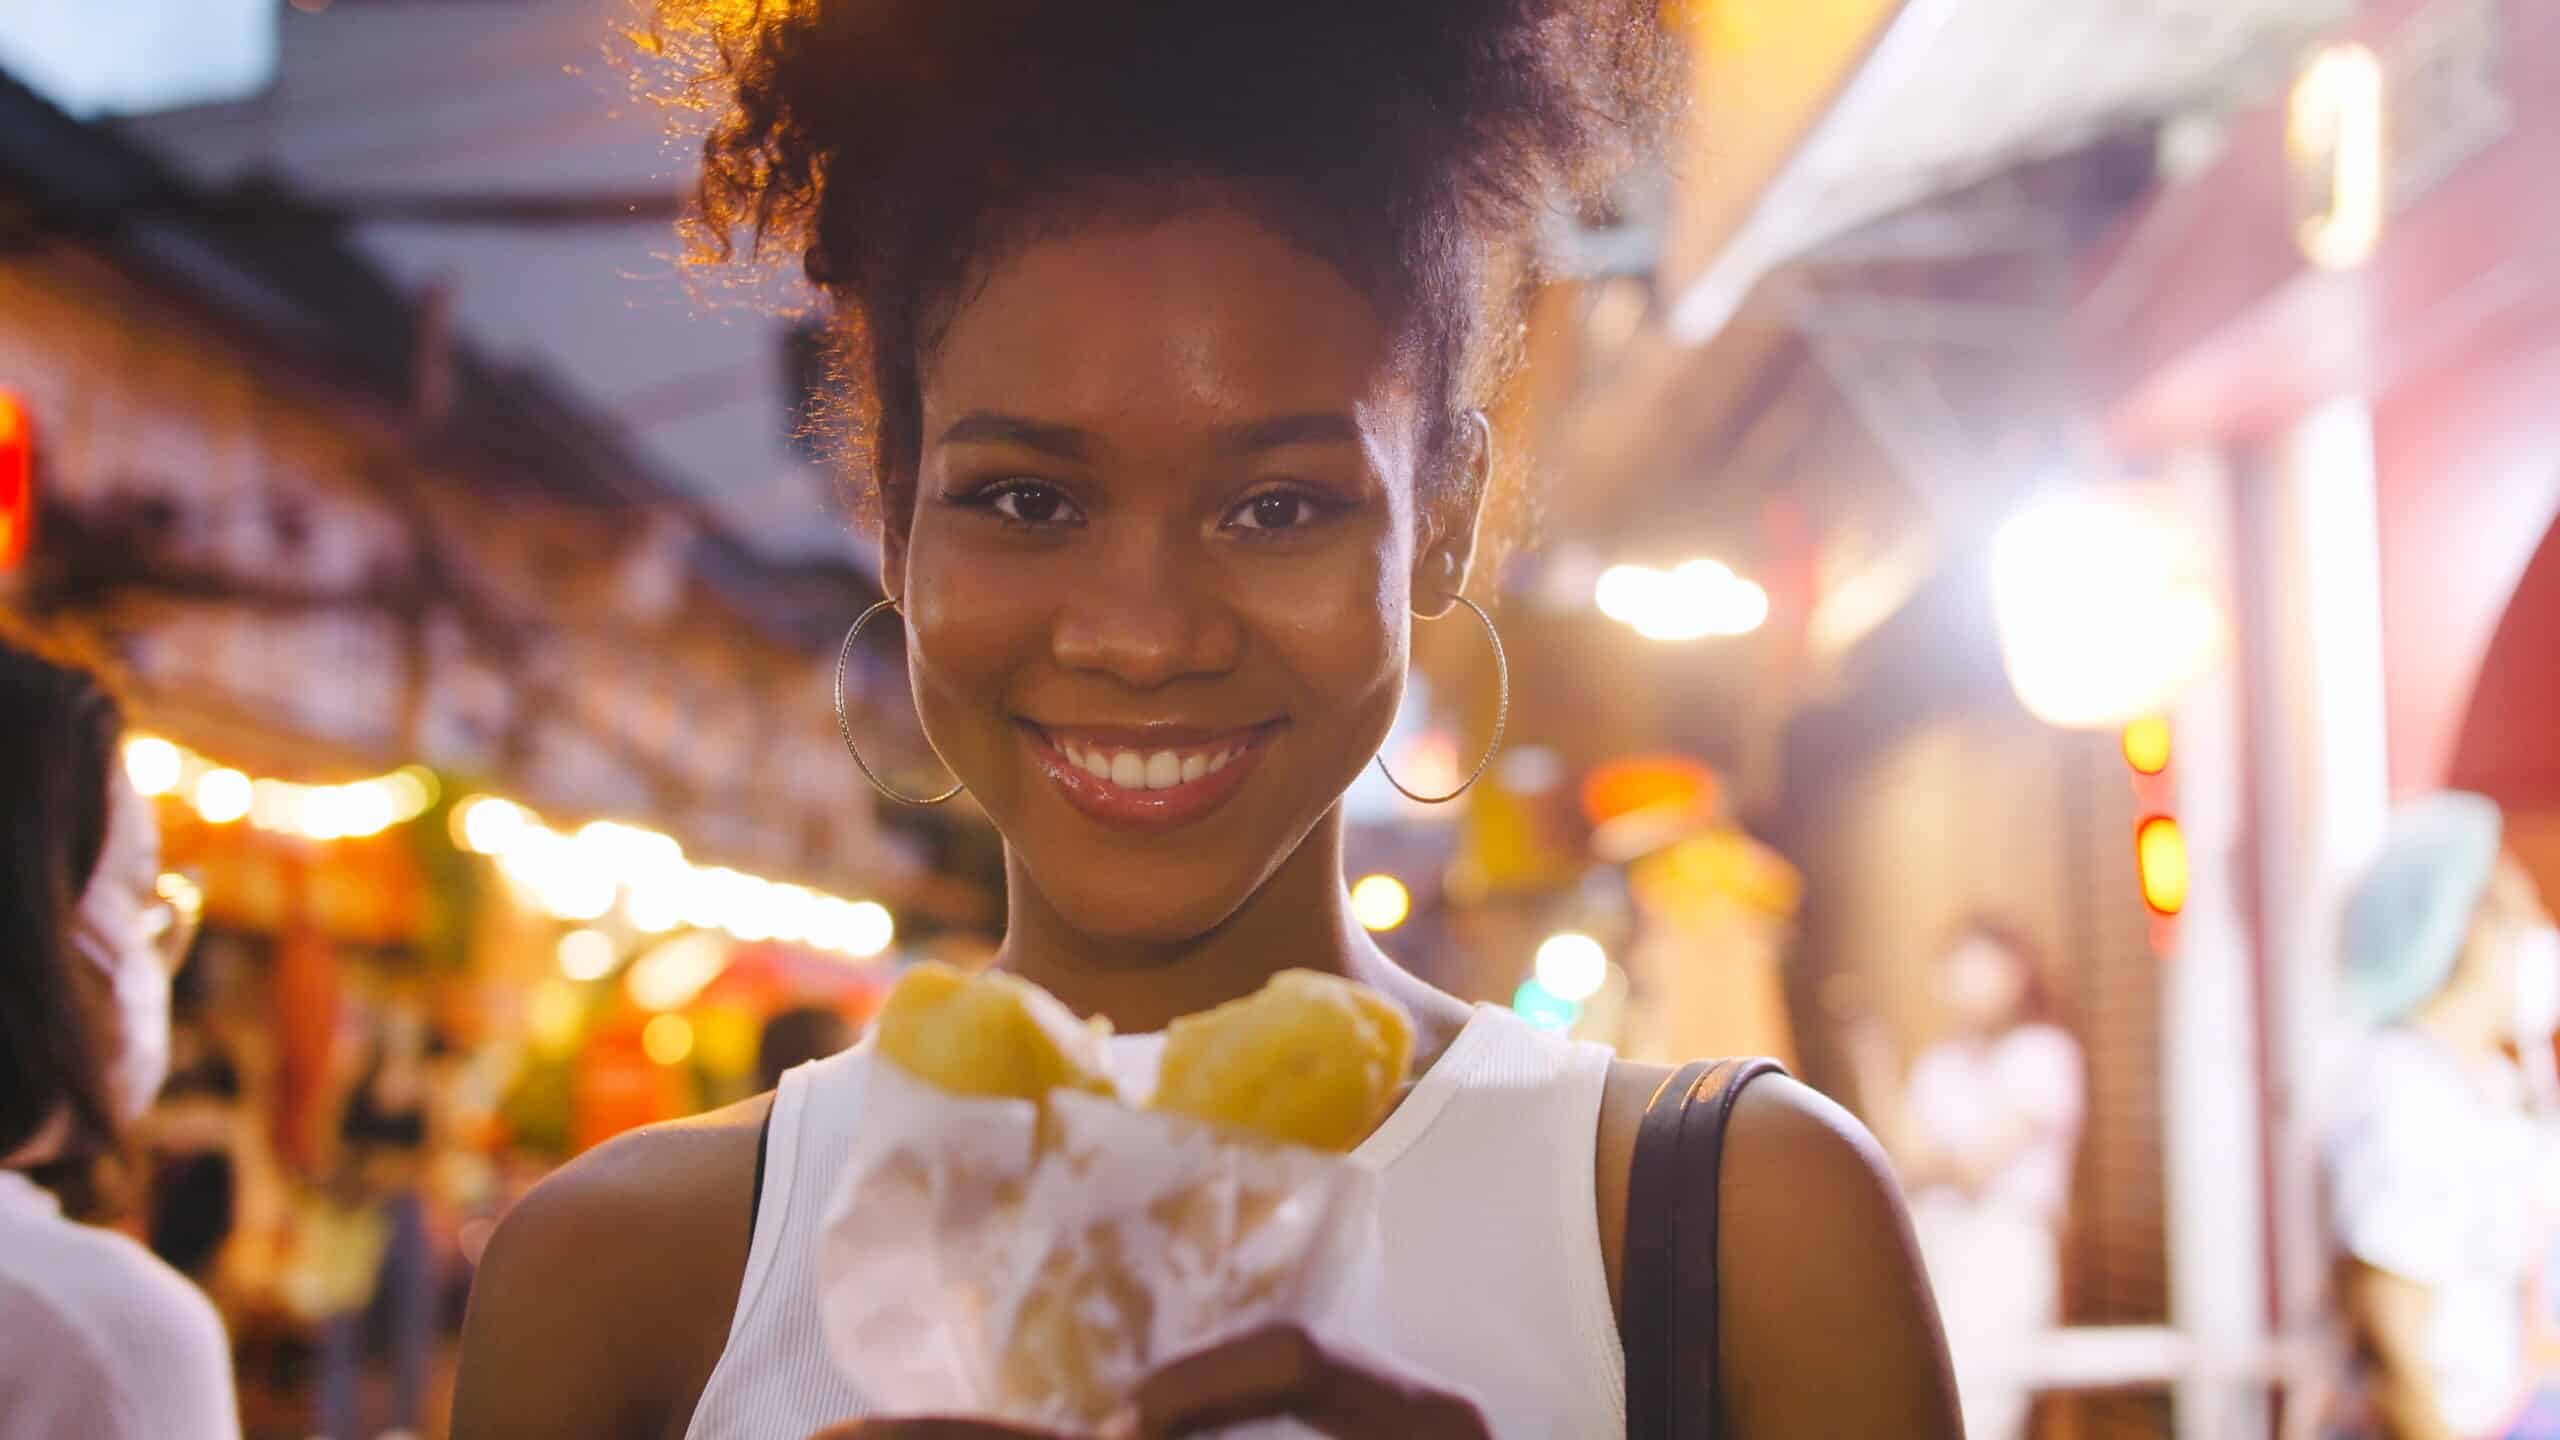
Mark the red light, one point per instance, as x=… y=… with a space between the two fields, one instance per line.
x=17 y=481
x=2160 y=854
x=2146 y=746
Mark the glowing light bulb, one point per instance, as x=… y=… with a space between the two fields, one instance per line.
x=223 y=796
x=869 y=929
x=487 y=825
x=153 y=764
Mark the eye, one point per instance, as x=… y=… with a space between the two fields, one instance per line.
x=1026 y=502
x=1274 y=510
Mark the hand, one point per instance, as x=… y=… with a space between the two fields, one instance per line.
x=925 y=1429
x=1280 y=1371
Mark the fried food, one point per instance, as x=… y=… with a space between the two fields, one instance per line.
x=989 y=1035
x=1310 y=1059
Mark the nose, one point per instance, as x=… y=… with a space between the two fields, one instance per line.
x=1148 y=615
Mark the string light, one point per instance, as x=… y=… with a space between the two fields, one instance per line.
x=606 y=865
x=222 y=795
x=153 y=764
x=581 y=878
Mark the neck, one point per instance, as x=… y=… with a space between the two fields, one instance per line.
x=2462 y=1023
x=1300 y=919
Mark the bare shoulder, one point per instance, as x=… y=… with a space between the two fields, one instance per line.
x=1829 y=1325
x=604 y=1299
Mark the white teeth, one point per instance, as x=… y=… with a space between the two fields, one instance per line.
x=1145 y=770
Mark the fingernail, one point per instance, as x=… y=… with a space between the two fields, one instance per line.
x=1123 y=1425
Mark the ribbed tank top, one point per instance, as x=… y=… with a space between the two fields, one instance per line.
x=1493 y=1282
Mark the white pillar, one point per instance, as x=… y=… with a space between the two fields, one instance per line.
x=2323 y=783
x=2208 y=1031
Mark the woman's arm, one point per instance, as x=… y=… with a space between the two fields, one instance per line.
x=1829 y=1324
x=604 y=1298
x=2392 y=1316
x=1829 y=1327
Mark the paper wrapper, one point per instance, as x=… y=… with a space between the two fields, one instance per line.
x=971 y=1267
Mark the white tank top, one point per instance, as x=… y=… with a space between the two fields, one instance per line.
x=1493 y=1285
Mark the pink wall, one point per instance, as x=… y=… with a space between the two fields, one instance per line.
x=2468 y=455
x=2204 y=327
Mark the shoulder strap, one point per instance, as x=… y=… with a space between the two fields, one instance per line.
x=1669 y=1282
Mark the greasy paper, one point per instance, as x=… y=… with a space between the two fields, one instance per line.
x=974 y=1265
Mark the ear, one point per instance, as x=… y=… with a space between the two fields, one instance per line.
x=1447 y=551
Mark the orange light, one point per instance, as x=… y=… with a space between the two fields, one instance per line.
x=2160 y=853
x=17 y=480
x=2146 y=745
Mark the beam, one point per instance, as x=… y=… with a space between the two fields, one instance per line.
x=1808 y=79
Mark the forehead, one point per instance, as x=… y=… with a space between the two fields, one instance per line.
x=1203 y=316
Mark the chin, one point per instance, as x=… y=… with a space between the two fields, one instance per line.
x=1143 y=909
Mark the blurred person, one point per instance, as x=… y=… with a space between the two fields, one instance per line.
x=2433 y=1157
x=1984 y=1133
x=387 y=1139
x=795 y=1036
x=102 y=1338
x=194 y=1137
x=1170 y=327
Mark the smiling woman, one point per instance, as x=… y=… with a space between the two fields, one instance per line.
x=1167 y=331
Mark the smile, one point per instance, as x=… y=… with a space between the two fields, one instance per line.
x=1147 y=777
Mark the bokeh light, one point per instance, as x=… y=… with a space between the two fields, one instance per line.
x=586 y=955
x=2146 y=745
x=153 y=764
x=223 y=796
x=1572 y=967
x=668 y=1039
x=1380 y=902
x=1543 y=1008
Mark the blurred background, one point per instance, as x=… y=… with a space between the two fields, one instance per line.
x=2018 y=490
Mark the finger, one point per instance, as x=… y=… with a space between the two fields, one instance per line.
x=1281 y=1371
x=926 y=1428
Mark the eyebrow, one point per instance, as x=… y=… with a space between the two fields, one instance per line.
x=1067 y=442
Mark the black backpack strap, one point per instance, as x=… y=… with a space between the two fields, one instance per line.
x=764 y=1140
x=1668 y=1269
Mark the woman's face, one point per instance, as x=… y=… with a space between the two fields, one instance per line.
x=1158 y=574
x=1982 y=984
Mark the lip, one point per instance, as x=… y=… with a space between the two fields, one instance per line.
x=1132 y=808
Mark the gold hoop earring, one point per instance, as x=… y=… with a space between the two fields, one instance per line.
x=844 y=725
x=1501 y=716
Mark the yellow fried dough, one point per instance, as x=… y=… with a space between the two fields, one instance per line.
x=988 y=1035
x=1310 y=1059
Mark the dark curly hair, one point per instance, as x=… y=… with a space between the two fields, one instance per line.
x=901 y=146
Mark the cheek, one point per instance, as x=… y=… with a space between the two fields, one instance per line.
x=971 y=622
x=1341 y=630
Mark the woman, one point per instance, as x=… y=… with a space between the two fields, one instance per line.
x=1167 y=327
x=103 y=1338
x=2431 y=1153
x=1984 y=1136
x=387 y=1127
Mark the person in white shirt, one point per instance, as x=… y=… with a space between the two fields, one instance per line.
x=1984 y=1133
x=2431 y=1155
x=103 y=1340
